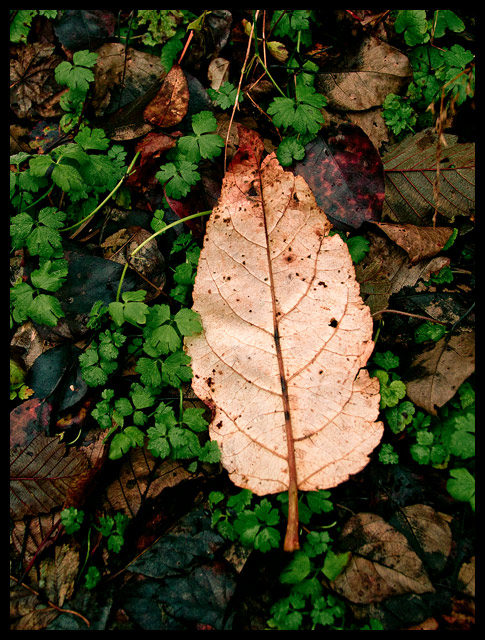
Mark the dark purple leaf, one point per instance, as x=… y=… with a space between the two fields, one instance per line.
x=345 y=173
x=81 y=29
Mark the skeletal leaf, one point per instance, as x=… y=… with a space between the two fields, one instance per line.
x=285 y=337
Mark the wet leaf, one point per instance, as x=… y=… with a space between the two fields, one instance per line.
x=170 y=104
x=81 y=29
x=344 y=171
x=436 y=374
x=382 y=563
x=286 y=335
x=410 y=171
x=364 y=79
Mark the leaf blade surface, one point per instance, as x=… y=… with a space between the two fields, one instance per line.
x=285 y=335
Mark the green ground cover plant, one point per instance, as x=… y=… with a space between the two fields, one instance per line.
x=131 y=359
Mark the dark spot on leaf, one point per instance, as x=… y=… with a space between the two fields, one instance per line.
x=333 y=323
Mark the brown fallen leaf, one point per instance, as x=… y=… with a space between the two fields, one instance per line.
x=148 y=263
x=141 y=478
x=386 y=269
x=366 y=76
x=410 y=174
x=41 y=474
x=286 y=336
x=424 y=526
x=418 y=242
x=466 y=577
x=33 y=89
x=170 y=104
x=436 y=374
x=138 y=70
x=382 y=563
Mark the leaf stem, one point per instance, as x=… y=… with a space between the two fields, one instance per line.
x=110 y=195
x=154 y=235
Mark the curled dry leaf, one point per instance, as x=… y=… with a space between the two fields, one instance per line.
x=435 y=375
x=218 y=72
x=286 y=336
x=382 y=563
x=418 y=242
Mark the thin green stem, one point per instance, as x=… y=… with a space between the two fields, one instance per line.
x=269 y=74
x=110 y=195
x=154 y=235
x=44 y=195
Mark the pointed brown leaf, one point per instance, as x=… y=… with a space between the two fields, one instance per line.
x=418 y=242
x=41 y=474
x=382 y=563
x=435 y=375
x=286 y=335
x=170 y=104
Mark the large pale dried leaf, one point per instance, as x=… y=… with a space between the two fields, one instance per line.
x=285 y=334
x=410 y=173
x=436 y=375
x=382 y=563
x=363 y=80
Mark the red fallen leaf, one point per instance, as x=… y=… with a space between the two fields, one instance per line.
x=170 y=104
x=346 y=176
x=29 y=419
x=150 y=147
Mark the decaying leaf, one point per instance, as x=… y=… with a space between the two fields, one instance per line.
x=364 y=80
x=410 y=174
x=436 y=374
x=170 y=104
x=149 y=263
x=344 y=172
x=286 y=337
x=382 y=563
x=386 y=269
x=41 y=474
x=33 y=88
x=429 y=530
x=138 y=70
x=418 y=242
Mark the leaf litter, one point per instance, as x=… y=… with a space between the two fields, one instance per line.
x=133 y=97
